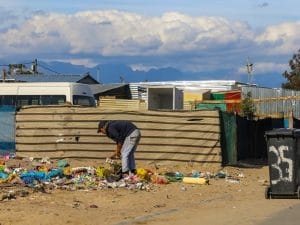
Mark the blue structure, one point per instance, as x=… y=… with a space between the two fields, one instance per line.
x=7 y=131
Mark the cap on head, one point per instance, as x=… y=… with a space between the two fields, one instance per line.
x=101 y=124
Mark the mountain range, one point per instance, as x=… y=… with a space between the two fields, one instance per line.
x=117 y=73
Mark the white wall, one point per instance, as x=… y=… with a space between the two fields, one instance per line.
x=164 y=98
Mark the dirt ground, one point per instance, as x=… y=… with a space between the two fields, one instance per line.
x=223 y=201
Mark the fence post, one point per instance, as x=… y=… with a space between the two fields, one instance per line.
x=291 y=119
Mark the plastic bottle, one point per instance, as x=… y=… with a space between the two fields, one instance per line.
x=195 y=173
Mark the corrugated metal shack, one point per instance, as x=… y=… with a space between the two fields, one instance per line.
x=166 y=97
x=225 y=101
x=269 y=102
x=193 y=91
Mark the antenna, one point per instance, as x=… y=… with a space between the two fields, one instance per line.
x=122 y=79
x=249 y=70
x=98 y=74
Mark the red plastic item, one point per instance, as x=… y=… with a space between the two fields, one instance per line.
x=157 y=179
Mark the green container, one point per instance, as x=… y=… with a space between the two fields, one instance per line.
x=217 y=96
x=221 y=106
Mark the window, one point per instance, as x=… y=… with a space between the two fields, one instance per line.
x=35 y=100
x=7 y=100
x=53 y=99
x=40 y=100
x=23 y=100
x=28 y=100
x=32 y=100
x=83 y=100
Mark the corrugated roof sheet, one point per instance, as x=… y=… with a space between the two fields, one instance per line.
x=46 y=78
x=213 y=85
x=99 y=88
x=195 y=86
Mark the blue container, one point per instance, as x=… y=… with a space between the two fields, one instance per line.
x=286 y=123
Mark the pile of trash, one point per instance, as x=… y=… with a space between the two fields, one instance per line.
x=44 y=175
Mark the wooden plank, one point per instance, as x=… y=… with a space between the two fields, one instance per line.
x=92 y=138
x=154 y=158
x=138 y=156
x=237 y=101
x=111 y=147
x=113 y=116
x=91 y=132
x=141 y=149
x=88 y=110
x=93 y=125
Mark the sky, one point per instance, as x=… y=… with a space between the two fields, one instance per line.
x=189 y=35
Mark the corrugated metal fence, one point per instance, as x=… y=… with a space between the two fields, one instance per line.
x=244 y=139
x=272 y=102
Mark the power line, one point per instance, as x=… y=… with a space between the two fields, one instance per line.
x=31 y=62
x=25 y=63
x=47 y=68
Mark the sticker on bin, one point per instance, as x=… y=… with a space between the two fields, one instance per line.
x=285 y=175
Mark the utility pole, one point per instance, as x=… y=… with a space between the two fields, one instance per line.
x=98 y=74
x=34 y=66
x=249 y=70
x=3 y=75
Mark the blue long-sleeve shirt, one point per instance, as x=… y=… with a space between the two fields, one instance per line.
x=118 y=130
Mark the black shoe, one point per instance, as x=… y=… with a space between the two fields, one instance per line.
x=133 y=172
x=125 y=174
x=114 y=178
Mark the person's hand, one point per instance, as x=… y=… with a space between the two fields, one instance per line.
x=116 y=155
x=113 y=156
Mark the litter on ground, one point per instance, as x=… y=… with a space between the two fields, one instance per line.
x=44 y=175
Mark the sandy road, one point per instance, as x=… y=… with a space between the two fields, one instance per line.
x=219 y=203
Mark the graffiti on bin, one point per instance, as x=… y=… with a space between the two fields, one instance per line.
x=287 y=175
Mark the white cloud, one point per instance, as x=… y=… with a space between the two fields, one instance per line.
x=114 y=33
x=280 y=39
x=173 y=39
x=80 y=62
x=142 y=67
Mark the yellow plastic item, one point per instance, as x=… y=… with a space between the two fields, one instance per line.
x=195 y=180
x=102 y=172
x=43 y=169
x=67 y=171
x=11 y=177
x=142 y=173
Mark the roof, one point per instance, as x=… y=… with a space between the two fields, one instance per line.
x=212 y=85
x=49 y=78
x=100 y=88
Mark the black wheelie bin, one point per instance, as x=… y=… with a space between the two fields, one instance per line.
x=284 y=163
